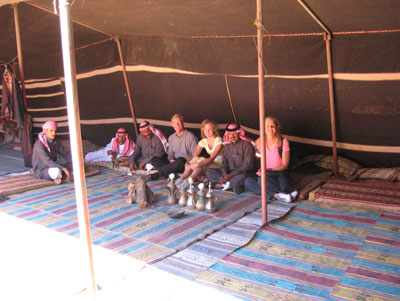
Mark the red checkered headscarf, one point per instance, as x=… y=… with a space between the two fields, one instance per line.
x=158 y=133
x=128 y=146
x=42 y=136
x=233 y=127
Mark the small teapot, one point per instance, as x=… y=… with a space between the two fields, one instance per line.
x=172 y=200
x=201 y=201
x=191 y=201
x=211 y=200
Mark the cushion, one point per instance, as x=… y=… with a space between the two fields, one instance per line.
x=306 y=185
x=388 y=174
x=307 y=159
x=346 y=167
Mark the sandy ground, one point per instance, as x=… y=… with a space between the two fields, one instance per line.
x=38 y=263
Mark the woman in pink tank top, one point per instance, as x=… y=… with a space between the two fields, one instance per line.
x=279 y=183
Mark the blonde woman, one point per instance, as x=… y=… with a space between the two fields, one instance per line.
x=279 y=184
x=212 y=143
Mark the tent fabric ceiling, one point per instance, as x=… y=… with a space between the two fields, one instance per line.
x=204 y=36
x=201 y=42
x=199 y=18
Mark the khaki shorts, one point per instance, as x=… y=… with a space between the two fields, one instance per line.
x=201 y=159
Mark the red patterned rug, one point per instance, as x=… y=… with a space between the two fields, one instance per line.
x=380 y=195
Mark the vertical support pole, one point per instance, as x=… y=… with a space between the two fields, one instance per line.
x=19 y=50
x=128 y=90
x=230 y=99
x=261 y=105
x=331 y=102
x=71 y=90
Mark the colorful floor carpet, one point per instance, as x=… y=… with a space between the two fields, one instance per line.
x=26 y=182
x=198 y=257
x=375 y=194
x=317 y=252
x=147 y=234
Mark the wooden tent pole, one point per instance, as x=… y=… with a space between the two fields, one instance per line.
x=328 y=38
x=19 y=50
x=230 y=99
x=331 y=102
x=71 y=90
x=261 y=110
x=128 y=90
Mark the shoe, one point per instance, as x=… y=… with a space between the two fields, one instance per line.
x=284 y=197
x=149 y=167
x=226 y=186
x=293 y=195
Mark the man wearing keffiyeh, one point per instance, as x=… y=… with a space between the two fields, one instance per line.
x=150 y=143
x=120 y=146
x=237 y=160
x=45 y=153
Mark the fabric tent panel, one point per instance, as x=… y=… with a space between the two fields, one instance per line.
x=32 y=89
x=41 y=42
x=365 y=105
x=8 y=43
x=47 y=103
x=189 y=17
x=230 y=17
x=40 y=31
x=367 y=53
x=159 y=96
x=103 y=96
x=351 y=15
x=87 y=59
x=283 y=55
x=302 y=105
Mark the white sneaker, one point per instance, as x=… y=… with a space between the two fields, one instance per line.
x=226 y=186
x=293 y=194
x=284 y=197
x=149 y=167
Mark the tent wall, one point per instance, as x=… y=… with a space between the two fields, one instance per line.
x=159 y=93
x=185 y=71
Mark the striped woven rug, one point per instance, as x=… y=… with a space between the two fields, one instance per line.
x=317 y=252
x=376 y=194
x=147 y=234
x=198 y=257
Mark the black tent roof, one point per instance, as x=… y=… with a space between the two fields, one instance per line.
x=204 y=41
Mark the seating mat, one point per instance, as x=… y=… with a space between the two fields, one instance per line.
x=374 y=194
x=27 y=182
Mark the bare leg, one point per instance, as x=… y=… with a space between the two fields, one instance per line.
x=196 y=172
x=186 y=174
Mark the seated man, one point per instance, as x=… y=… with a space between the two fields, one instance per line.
x=45 y=152
x=120 y=146
x=150 y=143
x=237 y=161
x=182 y=145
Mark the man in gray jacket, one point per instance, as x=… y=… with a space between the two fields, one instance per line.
x=237 y=161
x=45 y=153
